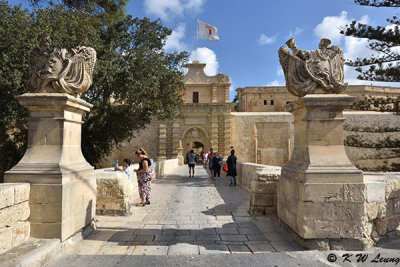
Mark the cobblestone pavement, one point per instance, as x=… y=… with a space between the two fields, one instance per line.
x=188 y=216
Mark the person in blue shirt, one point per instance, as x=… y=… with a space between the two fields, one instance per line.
x=126 y=168
x=216 y=164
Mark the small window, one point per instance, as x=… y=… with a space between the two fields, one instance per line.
x=265 y=102
x=272 y=102
x=195 y=97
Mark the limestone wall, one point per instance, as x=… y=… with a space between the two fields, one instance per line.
x=147 y=139
x=383 y=205
x=115 y=193
x=372 y=140
x=262 y=182
x=263 y=137
x=14 y=213
x=164 y=167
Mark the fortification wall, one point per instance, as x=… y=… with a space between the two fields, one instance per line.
x=262 y=137
x=372 y=140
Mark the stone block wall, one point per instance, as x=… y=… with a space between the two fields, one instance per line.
x=383 y=205
x=372 y=140
x=262 y=182
x=262 y=137
x=14 y=213
x=115 y=193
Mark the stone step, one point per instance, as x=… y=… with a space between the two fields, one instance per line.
x=32 y=253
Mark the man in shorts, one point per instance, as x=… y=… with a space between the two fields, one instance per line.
x=211 y=155
x=191 y=158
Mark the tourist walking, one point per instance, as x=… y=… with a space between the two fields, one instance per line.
x=210 y=157
x=231 y=161
x=217 y=161
x=205 y=158
x=126 y=168
x=145 y=174
x=191 y=159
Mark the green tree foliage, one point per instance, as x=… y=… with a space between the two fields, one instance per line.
x=134 y=78
x=110 y=9
x=384 y=65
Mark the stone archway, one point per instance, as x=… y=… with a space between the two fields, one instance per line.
x=195 y=137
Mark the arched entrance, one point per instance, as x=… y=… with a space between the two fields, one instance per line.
x=195 y=138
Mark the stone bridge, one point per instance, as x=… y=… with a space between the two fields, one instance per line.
x=187 y=216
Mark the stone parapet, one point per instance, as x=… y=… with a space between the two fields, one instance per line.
x=115 y=193
x=262 y=182
x=14 y=213
x=383 y=205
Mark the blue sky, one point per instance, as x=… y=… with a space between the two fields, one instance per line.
x=252 y=31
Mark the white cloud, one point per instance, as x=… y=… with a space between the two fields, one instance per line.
x=331 y=25
x=279 y=72
x=265 y=40
x=276 y=83
x=174 y=41
x=168 y=9
x=296 y=32
x=208 y=56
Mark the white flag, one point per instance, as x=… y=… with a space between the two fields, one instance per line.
x=207 y=31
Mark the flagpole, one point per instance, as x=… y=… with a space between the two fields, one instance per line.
x=197 y=37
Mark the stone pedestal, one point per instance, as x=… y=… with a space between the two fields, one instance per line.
x=321 y=194
x=63 y=188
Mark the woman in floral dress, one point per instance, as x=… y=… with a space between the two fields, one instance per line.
x=145 y=174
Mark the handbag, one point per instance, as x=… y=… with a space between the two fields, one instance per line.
x=225 y=168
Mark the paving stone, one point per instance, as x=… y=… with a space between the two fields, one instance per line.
x=258 y=237
x=153 y=226
x=261 y=248
x=230 y=225
x=122 y=236
x=227 y=231
x=183 y=249
x=200 y=217
x=239 y=249
x=116 y=250
x=278 y=237
x=234 y=237
x=231 y=242
x=246 y=224
x=208 y=237
x=250 y=231
x=150 y=250
x=243 y=219
x=165 y=238
x=148 y=232
x=207 y=231
x=142 y=238
x=286 y=246
x=213 y=249
x=241 y=214
x=185 y=238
